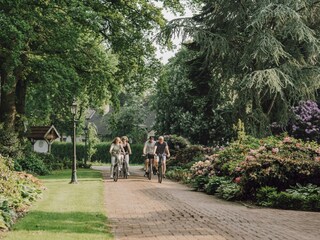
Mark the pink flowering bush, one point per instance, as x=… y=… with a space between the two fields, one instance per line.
x=243 y=168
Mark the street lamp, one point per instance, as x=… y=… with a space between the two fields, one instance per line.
x=74 y=163
x=86 y=131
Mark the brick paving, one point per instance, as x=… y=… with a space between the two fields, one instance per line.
x=141 y=209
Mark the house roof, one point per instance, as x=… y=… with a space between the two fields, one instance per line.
x=48 y=133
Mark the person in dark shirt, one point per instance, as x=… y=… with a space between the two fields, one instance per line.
x=161 y=148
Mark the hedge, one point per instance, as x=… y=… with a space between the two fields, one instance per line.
x=65 y=150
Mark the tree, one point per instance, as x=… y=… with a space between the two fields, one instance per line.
x=54 y=51
x=262 y=57
x=186 y=103
x=130 y=118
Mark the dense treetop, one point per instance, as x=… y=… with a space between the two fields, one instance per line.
x=251 y=60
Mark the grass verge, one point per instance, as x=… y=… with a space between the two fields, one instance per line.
x=66 y=211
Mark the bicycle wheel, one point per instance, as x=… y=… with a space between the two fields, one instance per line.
x=160 y=172
x=150 y=170
x=115 y=173
x=125 y=170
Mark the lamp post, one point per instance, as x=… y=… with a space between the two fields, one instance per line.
x=74 y=163
x=86 y=130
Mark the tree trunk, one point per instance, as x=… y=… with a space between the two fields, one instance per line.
x=8 y=103
x=21 y=91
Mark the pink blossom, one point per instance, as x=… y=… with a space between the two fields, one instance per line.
x=317 y=159
x=250 y=158
x=237 y=180
x=252 y=151
x=261 y=148
x=275 y=150
x=287 y=140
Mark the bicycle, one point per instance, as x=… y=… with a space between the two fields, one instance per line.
x=124 y=169
x=160 y=173
x=150 y=165
x=116 y=169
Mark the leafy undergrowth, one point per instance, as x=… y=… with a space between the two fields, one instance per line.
x=280 y=172
x=66 y=211
x=18 y=191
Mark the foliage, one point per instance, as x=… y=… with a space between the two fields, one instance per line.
x=229 y=191
x=32 y=163
x=187 y=105
x=67 y=211
x=93 y=140
x=65 y=49
x=10 y=145
x=42 y=164
x=129 y=119
x=176 y=142
x=251 y=60
x=299 y=197
x=178 y=174
x=252 y=169
x=17 y=191
x=307 y=122
x=63 y=152
x=186 y=155
x=214 y=183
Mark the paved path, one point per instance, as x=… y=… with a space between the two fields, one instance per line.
x=142 y=209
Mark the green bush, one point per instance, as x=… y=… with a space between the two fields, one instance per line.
x=299 y=197
x=214 y=183
x=229 y=191
x=62 y=150
x=32 y=163
x=41 y=163
x=10 y=145
x=186 y=155
x=17 y=192
x=178 y=174
x=266 y=195
x=262 y=171
x=176 y=143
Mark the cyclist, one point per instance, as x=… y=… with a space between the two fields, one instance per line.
x=161 y=148
x=115 y=150
x=148 y=151
x=127 y=150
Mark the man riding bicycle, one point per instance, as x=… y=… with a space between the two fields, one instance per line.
x=161 y=149
x=148 y=151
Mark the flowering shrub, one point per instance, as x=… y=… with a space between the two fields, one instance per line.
x=200 y=173
x=242 y=169
x=17 y=191
x=186 y=155
x=307 y=122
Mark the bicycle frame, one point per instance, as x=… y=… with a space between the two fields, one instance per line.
x=116 y=169
x=160 y=162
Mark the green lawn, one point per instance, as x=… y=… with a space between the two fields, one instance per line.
x=66 y=211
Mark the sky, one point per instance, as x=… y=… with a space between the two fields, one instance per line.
x=163 y=54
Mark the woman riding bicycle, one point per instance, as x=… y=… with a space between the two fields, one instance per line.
x=161 y=149
x=127 y=150
x=115 y=150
